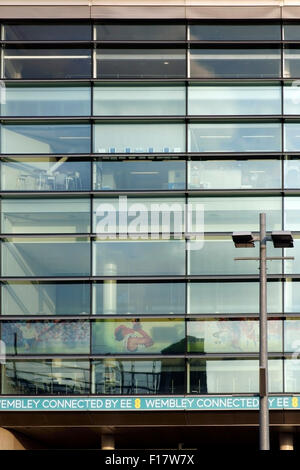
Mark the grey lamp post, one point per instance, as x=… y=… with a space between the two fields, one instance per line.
x=247 y=240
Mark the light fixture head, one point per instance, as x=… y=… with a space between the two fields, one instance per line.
x=282 y=239
x=243 y=240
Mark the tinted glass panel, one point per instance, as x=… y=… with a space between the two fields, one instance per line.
x=141 y=63
x=47 y=32
x=235 y=32
x=292 y=375
x=45 y=138
x=30 y=257
x=143 y=257
x=47 y=63
x=235 y=137
x=291 y=213
x=292 y=173
x=292 y=296
x=49 y=377
x=210 y=100
x=293 y=266
x=291 y=31
x=291 y=61
x=139 y=175
x=140 y=32
x=231 y=297
x=234 y=174
x=45 y=174
x=291 y=98
x=46 y=337
x=112 y=297
x=45 y=215
x=235 y=63
x=135 y=337
x=124 y=377
x=139 y=100
x=233 y=376
x=291 y=336
x=36 y=298
x=139 y=138
x=292 y=136
x=46 y=100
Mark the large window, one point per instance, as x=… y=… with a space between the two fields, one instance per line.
x=45 y=174
x=139 y=175
x=143 y=31
x=45 y=100
x=139 y=100
x=132 y=298
x=291 y=61
x=44 y=215
x=291 y=336
x=235 y=137
x=292 y=296
x=139 y=137
x=45 y=298
x=293 y=266
x=48 y=31
x=234 y=32
x=126 y=377
x=209 y=99
x=124 y=336
x=292 y=136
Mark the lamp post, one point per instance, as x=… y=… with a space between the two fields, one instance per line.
x=247 y=240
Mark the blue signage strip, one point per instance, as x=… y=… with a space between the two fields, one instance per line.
x=125 y=403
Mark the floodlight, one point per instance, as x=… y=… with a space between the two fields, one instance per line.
x=282 y=239
x=243 y=239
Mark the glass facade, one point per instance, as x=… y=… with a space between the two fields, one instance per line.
x=129 y=153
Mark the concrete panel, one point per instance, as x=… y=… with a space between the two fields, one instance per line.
x=233 y=13
x=137 y=12
x=44 y=12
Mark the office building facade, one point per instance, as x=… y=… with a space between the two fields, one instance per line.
x=134 y=140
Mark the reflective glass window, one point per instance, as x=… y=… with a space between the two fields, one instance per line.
x=291 y=31
x=292 y=296
x=291 y=136
x=235 y=31
x=292 y=374
x=141 y=63
x=47 y=63
x=292 y=173
x=229 y=62
x=210 y=99
x=291 y=94
x=45 y=174
x=45 y=298
x=139 y=138
x=231 y=297
x=46 y=337
x=233 y=376
x=291 y=61
x=234 y=174
x=141 y=31
x=228 y=335
x=45 y=138
x=142 y=257
x=124 y=336
x=215 y=255
x=139 y=175
x=291 y=336
x=48 y=32
x=235 y=137
x=291 y=213
x=125 y=377
x=44 y=215
x=45 y=100
x=46 y=377
x=31 y=257
x=293 y=266
x=142 y=298
x=139 y=100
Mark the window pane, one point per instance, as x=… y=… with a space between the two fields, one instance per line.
x=45 y=138
x=292 y=375
x=226 y=335
x=139 y=100
x=140 y=32
x=47 y=377
x=231 y=297
x=45 y=174
x=45 y=100
x=235 y=32
x=291 y=98
x=292 y=136
x=139 y=175
x=47 y=32
x=126 y=336
x=292 y=296
x=291 y=336
x=221 y=99
x=139 y=215
x=115 y=298
x=141 y=63
x=234 y=174
x=143 y=257
x=235 y=63
x=30 y=257
x=125 y=377
x=45 y=298
x=47 y=63
x=216 y=256
x=233 y=376
x=235 y=137
x=292 y=173
x=291 y=61
x=293 y=266
x=139 y=138
x=45 y=215
x=227 y=214
x=291 y=31
x=291 y=213
x=46 y=337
